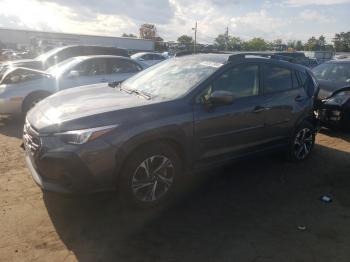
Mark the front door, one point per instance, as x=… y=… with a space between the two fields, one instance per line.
x=230 y=130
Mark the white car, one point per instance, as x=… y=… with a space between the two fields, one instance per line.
x=22 y=88
x=148 y=58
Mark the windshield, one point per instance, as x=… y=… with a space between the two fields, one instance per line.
x=333 y=71
x=172 y=78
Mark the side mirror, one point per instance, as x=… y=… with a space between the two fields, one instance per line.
x=221 y=98
x=73 y=74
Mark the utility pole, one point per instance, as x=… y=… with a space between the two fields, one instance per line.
x=195 y=38
x=226 y=38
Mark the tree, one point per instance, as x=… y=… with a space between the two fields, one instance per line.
x=341 y=42
x=186 y=41
x=255 y=44
x=148 y=31
x=311 y=44
x=299 y=45
x=129 y=35
x=234 y=43
x=222 y=42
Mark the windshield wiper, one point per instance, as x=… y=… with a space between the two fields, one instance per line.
x=141 y=93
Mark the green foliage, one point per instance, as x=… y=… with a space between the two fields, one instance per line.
x=342 y=42
x=255 y=44
x=185 y=40
x=129 y=35
x=230 y=43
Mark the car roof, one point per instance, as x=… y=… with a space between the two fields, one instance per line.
x=240 y=56
x=86 y=57
x=339 y=61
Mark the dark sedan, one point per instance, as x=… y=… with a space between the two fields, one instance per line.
x=334 y=95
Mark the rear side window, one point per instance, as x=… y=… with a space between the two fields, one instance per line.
x=276 y=79
x=119 y=66
x=92 y=67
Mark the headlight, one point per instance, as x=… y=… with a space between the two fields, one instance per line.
x=339 y=99
x=82 y=136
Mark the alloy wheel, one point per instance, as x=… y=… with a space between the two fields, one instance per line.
x=153 y=178
x=303 y=143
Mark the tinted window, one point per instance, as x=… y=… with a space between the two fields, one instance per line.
x=63 y=55
x=147 y=57
x=276 y=79
x=157 y=57
x=92 y=67
x=123 y=66
x=242 y=81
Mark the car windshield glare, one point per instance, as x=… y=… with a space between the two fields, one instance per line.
x=172 y=78
x=334 y=72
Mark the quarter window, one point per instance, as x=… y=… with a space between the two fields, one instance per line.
x=276 y=79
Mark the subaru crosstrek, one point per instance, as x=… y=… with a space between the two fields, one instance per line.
x=143 y=135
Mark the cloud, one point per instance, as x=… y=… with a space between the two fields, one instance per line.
x=312 y=15
x=299 y=3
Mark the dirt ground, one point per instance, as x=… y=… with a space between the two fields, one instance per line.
x=258 y=210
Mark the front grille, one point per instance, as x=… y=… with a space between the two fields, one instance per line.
x=31 y=139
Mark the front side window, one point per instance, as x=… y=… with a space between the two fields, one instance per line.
x=276 y=79
x=242 y=81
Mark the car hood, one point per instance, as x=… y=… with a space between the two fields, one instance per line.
x=328 y=88
x=53 y=113
x=22 y=63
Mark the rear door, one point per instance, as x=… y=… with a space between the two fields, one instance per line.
x=121 y=69
x=284 y=100
x=230 y=130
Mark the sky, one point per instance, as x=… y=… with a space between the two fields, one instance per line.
x=284 y=19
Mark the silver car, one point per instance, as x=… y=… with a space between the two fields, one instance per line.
x=148 y=58
x=22 y=88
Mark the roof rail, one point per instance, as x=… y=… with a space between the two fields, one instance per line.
x=266 y=55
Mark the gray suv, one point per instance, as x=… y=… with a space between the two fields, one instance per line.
x=143 y=135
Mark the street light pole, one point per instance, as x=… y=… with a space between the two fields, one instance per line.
x=195 y=38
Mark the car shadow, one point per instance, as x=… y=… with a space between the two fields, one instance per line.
x=345 y=135
x=247 y=211
x=11 y=127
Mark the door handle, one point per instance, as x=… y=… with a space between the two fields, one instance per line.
x=299 y=98
x=259 y=109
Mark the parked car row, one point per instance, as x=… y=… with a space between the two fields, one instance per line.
x=23 y=83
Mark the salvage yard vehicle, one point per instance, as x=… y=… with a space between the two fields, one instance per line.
x=148 y=58
x=334 y=95
x=142 y=136
x=300 y=58
x=59 y=54
x=22 y=88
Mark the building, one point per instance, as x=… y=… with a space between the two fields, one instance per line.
x=16 y=38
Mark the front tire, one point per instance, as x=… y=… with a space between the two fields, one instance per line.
x=302 y=142
x=31 y=100
x=151 y=175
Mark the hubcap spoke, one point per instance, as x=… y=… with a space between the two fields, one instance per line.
x=303 y=143
x=152 y=178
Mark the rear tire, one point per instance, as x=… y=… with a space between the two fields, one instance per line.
x=31 y=100
x=302 y=142
x=151 y=176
